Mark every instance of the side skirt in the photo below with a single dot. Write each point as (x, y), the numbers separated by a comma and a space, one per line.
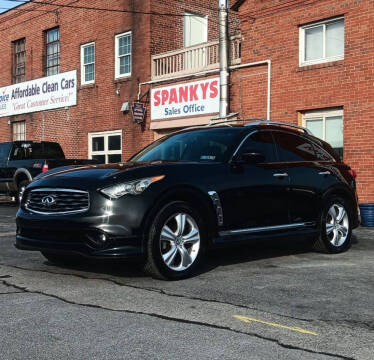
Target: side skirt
(269, 232)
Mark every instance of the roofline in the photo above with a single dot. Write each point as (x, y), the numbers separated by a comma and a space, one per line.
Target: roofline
(14, 8)
(237, 5)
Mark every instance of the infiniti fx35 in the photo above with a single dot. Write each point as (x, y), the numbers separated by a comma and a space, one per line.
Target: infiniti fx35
(191, 191)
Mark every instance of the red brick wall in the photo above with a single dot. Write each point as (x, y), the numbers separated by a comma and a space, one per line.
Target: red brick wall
(274, 34)
(167, 32)
(98, 106)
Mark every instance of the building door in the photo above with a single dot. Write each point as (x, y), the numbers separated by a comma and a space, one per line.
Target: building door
(195, 29)
(195, 32)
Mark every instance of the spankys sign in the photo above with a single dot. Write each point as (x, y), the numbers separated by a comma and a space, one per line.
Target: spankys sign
(46, 93)
(188, 99)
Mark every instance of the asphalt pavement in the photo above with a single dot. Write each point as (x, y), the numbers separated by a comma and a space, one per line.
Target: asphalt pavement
(266, 300)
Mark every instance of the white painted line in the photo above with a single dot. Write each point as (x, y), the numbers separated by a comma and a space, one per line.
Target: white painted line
(13, 233)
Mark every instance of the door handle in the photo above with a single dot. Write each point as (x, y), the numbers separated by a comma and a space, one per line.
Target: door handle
(324, 173)
(280, 175)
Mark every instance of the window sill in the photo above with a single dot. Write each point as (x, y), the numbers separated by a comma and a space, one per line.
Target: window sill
(87, 86)
(122, 79)
(320, 65)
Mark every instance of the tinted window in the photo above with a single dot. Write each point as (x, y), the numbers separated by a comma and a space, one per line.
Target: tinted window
(4, 152)
(26, 151)
(114, 142)
(197, 145)
(294, 148)
(260, 142)
(98, 143)
(322, 154)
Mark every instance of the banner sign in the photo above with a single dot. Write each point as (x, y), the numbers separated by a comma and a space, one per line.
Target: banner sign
(189, 99)
(46, 93)
(138, 112)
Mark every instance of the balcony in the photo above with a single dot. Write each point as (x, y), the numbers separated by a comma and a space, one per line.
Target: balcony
(193, 59)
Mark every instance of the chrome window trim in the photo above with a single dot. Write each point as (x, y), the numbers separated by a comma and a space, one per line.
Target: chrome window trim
(241, 143)
(60, 212)
(264, 228)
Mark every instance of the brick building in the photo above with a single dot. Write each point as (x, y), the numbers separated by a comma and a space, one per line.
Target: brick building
(110, 54)
(322, 75)
(298, 61)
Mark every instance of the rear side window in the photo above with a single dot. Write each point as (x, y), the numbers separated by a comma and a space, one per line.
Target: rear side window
(47, 151)
(260, 142)
(321, 154)
(292, 147)
(26, 151)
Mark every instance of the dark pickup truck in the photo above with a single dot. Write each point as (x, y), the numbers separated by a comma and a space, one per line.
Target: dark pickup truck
(21, 161)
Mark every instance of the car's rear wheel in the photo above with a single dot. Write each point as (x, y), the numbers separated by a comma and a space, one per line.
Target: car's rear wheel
(336, 231)
(176, 242)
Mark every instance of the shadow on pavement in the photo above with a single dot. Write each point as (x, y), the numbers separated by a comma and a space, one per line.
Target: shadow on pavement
(243, 253)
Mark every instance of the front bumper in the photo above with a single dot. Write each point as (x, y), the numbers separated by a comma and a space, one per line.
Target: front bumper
(98, 233)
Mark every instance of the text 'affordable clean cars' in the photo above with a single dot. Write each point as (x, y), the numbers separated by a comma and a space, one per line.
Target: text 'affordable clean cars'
(190, 191)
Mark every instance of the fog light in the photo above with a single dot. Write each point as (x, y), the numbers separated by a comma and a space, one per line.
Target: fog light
(97, 239)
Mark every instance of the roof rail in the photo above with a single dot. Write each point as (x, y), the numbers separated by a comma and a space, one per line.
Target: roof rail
(279, 123)
(223, 122)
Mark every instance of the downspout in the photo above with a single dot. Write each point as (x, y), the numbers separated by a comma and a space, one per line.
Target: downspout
(268, 62)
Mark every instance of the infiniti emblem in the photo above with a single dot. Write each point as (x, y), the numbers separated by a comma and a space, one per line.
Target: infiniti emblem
(48, 200)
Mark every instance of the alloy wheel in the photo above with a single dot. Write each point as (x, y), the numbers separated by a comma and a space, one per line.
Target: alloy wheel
(180, 241)
(337, 225)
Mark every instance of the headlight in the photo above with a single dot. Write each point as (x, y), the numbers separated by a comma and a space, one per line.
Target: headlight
(133, 187)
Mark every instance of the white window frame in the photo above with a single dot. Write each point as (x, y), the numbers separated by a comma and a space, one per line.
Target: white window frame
(105, 152)
(117, 74)
(15, 134)
(324, 59)
(83, 65)
(323, 114)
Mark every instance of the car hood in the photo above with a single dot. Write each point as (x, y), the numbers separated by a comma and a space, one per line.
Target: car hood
(88, 176)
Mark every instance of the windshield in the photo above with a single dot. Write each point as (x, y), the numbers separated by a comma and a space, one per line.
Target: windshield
(208, 145)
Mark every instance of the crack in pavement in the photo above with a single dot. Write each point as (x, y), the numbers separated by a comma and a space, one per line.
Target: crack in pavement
(185, 321)
(160, 291)
(364, 325)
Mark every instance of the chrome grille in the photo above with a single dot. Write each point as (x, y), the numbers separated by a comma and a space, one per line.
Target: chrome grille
(57, 201)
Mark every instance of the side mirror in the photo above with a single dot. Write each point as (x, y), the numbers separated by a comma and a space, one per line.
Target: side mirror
(250, 158)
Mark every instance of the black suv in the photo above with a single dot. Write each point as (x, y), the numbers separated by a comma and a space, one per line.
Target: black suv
(190, 191)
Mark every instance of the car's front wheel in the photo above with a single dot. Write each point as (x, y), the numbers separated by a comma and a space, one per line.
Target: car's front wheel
(336, 231)
(176, 242)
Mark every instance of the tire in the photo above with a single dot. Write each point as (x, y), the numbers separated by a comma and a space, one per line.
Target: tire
(61, 259)
(335, 228)
(175, 251)
(21, 188)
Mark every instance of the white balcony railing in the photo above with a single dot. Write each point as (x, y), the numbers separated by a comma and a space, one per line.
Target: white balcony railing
(193, 59)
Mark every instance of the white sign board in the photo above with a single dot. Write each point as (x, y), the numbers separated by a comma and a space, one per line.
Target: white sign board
(189, 99)
(46, 93)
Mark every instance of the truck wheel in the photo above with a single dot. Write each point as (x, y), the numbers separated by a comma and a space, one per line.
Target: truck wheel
(176, 242)
(21, 189)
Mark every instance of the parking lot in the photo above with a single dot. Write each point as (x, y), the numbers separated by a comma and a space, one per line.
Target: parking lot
(269, 300)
